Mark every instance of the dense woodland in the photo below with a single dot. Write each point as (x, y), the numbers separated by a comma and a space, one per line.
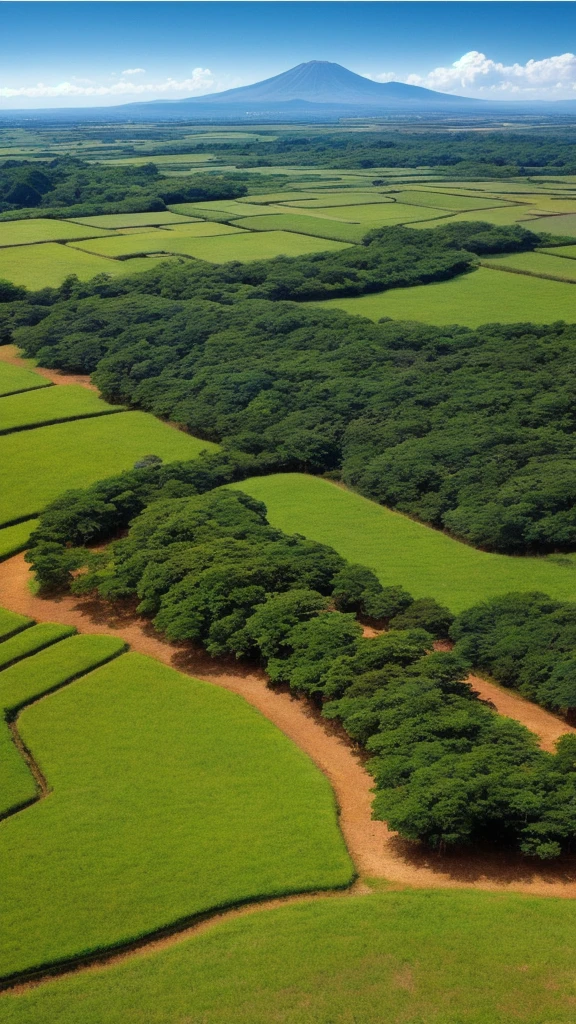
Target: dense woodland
(469, 430)
(208, 568)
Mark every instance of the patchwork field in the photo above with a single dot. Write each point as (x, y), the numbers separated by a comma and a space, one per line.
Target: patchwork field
(170, 797)
(320, 228)
(479, 297)
(445, 201)
(563, 225)
(25, 232)
(131, 220)
(16, 379)
(37, 465)
(378, 215)
(426, 562)
(246, 247)
(343, 199)
(51, 405)
(30, 641)
(535, 263)
(154, 241)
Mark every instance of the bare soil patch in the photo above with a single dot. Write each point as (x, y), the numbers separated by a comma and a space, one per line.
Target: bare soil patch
(10, 354)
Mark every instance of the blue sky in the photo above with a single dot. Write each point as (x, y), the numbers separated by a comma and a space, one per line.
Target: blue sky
(84, 53)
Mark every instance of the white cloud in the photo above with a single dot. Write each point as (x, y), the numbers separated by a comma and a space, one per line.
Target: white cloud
(475, 73)
(134, 71)
(385, 76)
(201, 81)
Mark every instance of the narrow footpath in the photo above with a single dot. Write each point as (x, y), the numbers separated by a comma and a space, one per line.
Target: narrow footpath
(376, 851)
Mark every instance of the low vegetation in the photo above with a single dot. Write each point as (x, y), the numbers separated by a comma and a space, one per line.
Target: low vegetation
(170, 798)
(31, 640)
(51, 405)
(16, 379)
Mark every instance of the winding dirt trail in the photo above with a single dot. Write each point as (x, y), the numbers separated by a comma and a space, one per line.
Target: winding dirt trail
(377, 852)
(10, 354)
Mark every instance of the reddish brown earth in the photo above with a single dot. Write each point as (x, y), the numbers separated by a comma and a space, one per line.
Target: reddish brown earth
(9, 354)
(376, 851)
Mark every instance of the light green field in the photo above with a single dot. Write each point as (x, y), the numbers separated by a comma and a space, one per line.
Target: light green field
(426, 562)
(24, 232)
(154, 241)
(320, 228)
(30, 641)
(479, 297)
(28, 679)
(51, 405)
(410, 957)
(171, 797)
(15, 379)
(11, 623)
(47, 265)
(342, 199)
(567, 251)
(15, 538)
(445, 201)
(37, 465)
(251, 246)
(278, 197)
(130, 220)
(535, 263)
(563, 225)
(505, 215)
(377, 215)
(161, 159)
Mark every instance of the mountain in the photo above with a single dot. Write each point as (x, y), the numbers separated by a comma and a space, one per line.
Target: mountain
(321, 81)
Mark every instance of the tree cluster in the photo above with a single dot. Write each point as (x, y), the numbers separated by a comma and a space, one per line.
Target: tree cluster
(525, 641)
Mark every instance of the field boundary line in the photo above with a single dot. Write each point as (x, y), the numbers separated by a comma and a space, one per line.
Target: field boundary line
(527, 273)
(64, 419)
(24, 391)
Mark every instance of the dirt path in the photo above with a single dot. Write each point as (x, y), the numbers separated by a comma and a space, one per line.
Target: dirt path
(10, 354)
(376, 851)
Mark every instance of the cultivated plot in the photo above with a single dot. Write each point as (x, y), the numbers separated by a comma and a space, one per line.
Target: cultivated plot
(131, 220)
(15, 379)
(37, 465)
(248, 246)
(342, 199)
(48, 265)
(25, 232)
(170, 797)
(535, 263)
(427, 562)
(51, 405)
(15, 538)
(377, 215)
(479, 297)
(319, 227)
(157, 241)
(445, 201)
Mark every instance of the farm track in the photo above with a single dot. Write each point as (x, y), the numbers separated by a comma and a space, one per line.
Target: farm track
(376, 851)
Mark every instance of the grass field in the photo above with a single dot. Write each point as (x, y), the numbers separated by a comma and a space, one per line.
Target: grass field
(567, 251)
(15, 538)
(171, 797)
(23, 232)
(445, 201)
(342, 198)
(15, 379)
(562, 225)
(379, 215)
(504, 215)
(319, 227)
(47, 265)
(37, 465)
(31, 640)
(479, 297)
(246, 247)
(51, 405)
(411, 957)
(11, 623)
(426, 562)
(154, 241)
(131, 220)
(535, 263)
(25, 681)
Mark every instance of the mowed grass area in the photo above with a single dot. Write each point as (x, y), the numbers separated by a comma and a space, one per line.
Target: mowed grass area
(248, 246)
(37, 465)
(47, 265)
(171, 797)
(50, 405)
(130, 220)
(426, 562)
(31, 640)
(567, 251)
(319, 227)
(478, 297)
(562, 225)
(155, 241)
(410, 957)
(15, 538)
(24, 232)
(534, 263)
(24, 682)
(15, 379)
(446, 200)
(11, 623)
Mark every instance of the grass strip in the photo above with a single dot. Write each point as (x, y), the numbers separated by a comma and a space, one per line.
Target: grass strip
(53, 405)
(15, 538)
(170, 798)
(11, 623)
(15, 379)
(32, 640)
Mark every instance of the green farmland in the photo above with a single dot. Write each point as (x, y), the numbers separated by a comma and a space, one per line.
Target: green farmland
(426, 562)
(562, 225)
(479, 297)
(131, 220)
(11, 623)
(246, 247)
(15, 379)
(32, 640)
(15, 538)
(408, 957)
(47, 265)
(170, 797)
(378, 215)
(321, 228)
(154, 241)
(37, 465)
(51, 405)
(25, 232)
(445, 200)
(334, 199)
(536, 263)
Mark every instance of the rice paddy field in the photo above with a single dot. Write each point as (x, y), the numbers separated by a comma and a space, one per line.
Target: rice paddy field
(30, 641)
(320, 228)
(25, 232)
(114, 221)
(51, 405)
(37, 465)
(15, 538)
(478, 297)
(176, 241)
(47, 265)
(16, 379)
(562, 225)
(546, 264)
(410, 957)
(427, 562)
(248, 246)
(170, 797)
